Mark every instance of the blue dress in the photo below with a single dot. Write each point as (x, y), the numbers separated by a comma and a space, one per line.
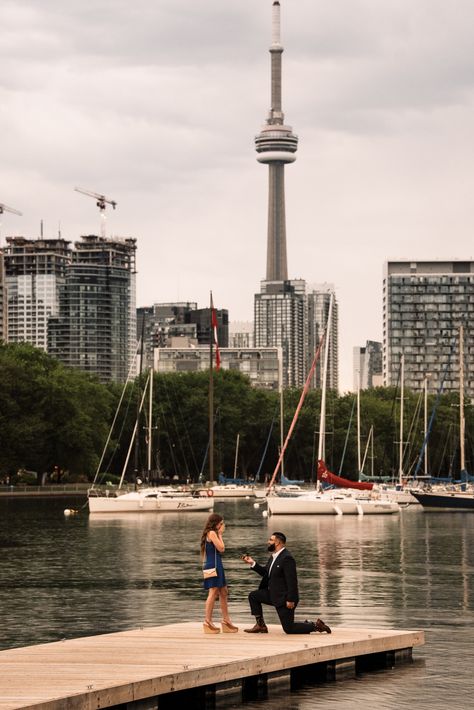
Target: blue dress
(213, 559)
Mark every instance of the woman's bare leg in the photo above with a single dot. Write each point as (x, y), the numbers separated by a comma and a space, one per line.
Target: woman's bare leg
(223, 597)
(210, 602)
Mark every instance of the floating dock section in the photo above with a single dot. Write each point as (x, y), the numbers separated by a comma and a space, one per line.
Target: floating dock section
(178, 665)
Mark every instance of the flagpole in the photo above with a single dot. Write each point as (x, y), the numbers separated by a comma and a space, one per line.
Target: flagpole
(211, 395)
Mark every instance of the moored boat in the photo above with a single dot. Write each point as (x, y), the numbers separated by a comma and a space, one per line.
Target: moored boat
(149, 500)
(446, 500)
(330, 503)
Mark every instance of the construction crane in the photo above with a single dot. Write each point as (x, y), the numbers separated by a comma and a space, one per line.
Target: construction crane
(5, 208)
(102, 202)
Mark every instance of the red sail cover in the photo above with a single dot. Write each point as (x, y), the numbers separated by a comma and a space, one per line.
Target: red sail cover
(327, 477)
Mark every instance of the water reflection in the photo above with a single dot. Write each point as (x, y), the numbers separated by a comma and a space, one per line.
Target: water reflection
(64, 577)
(345, 564)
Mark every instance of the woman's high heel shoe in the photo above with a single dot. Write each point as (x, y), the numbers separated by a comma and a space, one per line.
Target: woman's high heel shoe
(209, 628)
(228, 627)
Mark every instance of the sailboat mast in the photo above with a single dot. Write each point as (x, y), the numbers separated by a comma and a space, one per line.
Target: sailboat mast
(150, 428)
(402, 395)
(282, 423)
(322, 416)
(369, 438)
(425, 453)
(236, 455)
(211, 397)
(137, 439)
(358, 426)
(462, 422)
(372, 452)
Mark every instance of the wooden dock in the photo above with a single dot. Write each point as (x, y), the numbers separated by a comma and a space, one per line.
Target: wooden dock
(166, 666)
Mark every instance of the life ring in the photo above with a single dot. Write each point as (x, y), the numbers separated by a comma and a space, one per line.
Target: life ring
(210, 493)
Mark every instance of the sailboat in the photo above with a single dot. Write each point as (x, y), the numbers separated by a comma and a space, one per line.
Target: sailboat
(329, 502)
(144, 499)
(460, 498)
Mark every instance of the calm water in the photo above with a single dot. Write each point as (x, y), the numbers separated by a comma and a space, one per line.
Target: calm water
(64, 577)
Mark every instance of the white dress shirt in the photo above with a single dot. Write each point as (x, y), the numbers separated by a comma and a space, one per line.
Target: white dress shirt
(274, 555)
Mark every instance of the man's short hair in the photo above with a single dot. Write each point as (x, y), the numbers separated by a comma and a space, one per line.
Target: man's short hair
(281, 536)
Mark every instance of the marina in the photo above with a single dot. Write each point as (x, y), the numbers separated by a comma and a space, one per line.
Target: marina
(82, 576)
(104, 579)
(168, 665)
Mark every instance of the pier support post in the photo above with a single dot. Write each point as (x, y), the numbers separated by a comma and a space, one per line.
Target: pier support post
(341, 669)
(201, 698)
(384, 659)
(315, 673)
(255, 687)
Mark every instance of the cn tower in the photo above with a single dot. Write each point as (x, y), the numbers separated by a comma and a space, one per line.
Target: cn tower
(276, 145)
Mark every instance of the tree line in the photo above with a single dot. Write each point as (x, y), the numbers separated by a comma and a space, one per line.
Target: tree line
(54, 422)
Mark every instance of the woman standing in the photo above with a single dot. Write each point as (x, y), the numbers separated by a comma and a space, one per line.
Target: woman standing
(212, 544)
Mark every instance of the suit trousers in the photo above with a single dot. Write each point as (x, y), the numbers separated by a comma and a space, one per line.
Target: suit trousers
(286, 616)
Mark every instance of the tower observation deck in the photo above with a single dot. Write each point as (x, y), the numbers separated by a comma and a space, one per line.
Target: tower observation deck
(276, 145)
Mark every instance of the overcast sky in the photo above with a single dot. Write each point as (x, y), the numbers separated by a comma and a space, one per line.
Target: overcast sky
(155, 103)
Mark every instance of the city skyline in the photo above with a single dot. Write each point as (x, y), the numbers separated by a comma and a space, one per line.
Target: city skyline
(156, 107)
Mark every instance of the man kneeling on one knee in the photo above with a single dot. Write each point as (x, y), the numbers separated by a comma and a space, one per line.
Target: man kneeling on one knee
(279, 588)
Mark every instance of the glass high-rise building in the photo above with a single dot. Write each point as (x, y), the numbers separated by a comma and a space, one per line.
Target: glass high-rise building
(319, 300)
(95, 330)
(280, 318)
(35, 269)
(424, 305)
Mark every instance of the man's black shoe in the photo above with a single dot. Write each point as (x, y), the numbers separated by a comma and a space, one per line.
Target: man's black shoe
(257, 629)
(320, 626)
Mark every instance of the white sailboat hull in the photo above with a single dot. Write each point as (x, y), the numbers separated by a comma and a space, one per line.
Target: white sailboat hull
(324, 505)
(149, 501)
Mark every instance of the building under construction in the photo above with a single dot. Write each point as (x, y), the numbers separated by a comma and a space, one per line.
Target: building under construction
(77, 303)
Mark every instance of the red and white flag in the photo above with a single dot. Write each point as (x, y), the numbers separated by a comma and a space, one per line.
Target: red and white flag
(214, 334)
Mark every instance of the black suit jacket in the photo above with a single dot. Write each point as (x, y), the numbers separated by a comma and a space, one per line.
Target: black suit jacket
(282, 584)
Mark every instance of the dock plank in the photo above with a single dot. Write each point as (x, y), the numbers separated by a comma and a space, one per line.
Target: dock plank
(106, 670)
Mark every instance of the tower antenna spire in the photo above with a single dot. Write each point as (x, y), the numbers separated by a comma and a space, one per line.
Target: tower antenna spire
(276, 23)
(276, 145)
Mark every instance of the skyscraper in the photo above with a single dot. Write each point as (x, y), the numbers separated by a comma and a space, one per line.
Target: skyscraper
(424, 305)
(34, 271)
(319, 300)
(95, 330)
(280, 308)
(281, 320)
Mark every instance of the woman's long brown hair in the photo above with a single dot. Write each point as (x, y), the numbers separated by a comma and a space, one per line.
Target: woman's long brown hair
(211, 524)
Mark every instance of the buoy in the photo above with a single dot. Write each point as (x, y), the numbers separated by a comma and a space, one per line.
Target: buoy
(70, 511)
(67, 512)
(256, 506)
(264, 514)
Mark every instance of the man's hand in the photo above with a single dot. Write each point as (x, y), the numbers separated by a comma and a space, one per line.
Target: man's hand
(248, 559)
(290, 605)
